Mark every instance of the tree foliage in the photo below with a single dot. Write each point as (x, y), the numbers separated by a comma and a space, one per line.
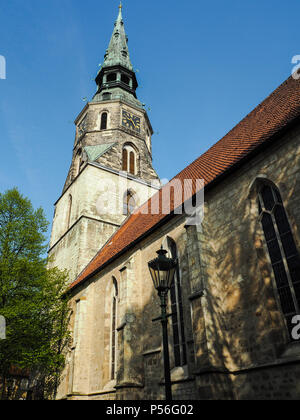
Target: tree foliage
(30, 297)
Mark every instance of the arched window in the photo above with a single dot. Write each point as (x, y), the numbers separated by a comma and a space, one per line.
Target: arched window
(69, 211)
(179, 342)
(114, 329)
(129, 203)
(282, 249)
(129, 160)
(103, 125)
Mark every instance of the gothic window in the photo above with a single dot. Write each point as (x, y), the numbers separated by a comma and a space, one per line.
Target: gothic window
(129, 203)
(112, 77)
(282, 249)
(114, 329)
(129, 160)
(179, 342)
(103, 125)
(69, 211)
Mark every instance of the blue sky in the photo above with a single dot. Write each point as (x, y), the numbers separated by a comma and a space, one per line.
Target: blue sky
(202, 66)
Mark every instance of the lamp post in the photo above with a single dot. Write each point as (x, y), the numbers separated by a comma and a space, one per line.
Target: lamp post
(162, 271)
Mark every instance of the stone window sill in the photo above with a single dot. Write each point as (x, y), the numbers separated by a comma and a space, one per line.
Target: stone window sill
(180, 373)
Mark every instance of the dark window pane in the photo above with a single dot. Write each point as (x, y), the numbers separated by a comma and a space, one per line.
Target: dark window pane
(125, 79)
(297, 292)
(280, 274)
(268, 198)
(104, 121)
(177, 355)
(274, 251)
(278, 196)
(286, 300)
(294, 267)
(173, 294)
(111, 77)
(281, 220)
(176, 336)
(289, 245)
(268, 227)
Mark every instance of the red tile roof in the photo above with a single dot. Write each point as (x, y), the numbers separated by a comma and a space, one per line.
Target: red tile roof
(277, 111)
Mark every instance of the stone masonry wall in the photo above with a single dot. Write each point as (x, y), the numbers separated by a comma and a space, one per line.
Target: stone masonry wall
(237, 341)
(95, 214)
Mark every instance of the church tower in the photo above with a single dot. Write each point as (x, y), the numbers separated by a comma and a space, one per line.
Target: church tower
(111, 171)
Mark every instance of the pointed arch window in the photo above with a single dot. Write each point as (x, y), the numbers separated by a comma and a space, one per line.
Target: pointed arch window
(104, 118)
(129, 160)
(129, 203)
(179, 340)
(114, 329)
(282, 249)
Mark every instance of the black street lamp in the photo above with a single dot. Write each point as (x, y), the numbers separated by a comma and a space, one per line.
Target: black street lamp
(162, 271)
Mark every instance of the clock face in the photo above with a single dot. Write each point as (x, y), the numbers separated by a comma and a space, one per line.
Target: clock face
(131, 121)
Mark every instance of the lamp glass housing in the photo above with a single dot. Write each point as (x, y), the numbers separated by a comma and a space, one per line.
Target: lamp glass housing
(162, 271)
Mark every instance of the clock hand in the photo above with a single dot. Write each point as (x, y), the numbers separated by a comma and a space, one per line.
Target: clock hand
(132, 121)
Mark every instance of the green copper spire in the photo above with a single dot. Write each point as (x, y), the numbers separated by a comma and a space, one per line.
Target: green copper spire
(116, 80)
(117, 53)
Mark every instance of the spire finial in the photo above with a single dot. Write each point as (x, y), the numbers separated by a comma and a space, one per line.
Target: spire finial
(120, 7)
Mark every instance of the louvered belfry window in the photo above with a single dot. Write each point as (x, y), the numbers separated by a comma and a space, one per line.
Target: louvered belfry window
(125, 160)
(129, 160)
(282, 249)
(132, 163)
